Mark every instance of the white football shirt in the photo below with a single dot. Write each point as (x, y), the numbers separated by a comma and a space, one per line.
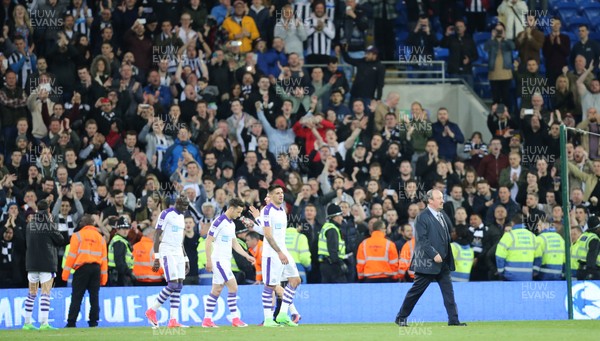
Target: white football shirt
(172, 223)
(276, 219)
(223, 230)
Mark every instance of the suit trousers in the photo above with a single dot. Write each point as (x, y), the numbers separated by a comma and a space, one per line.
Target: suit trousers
(87, 277)
(421, 283)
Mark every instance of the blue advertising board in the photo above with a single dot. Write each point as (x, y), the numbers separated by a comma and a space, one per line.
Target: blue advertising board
(332, 303)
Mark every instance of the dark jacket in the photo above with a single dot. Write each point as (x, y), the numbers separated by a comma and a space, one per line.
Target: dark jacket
(430, 241)
(459, 48)
(368, 82)
(333, 243)
(43, 239)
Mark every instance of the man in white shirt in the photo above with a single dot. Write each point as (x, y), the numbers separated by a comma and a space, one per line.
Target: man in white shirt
(169, 254)
(277, 261)
(219, 242)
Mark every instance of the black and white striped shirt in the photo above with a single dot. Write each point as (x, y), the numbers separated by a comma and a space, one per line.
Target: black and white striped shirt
(303, 11)
(80, 15)
(26, 68)
(319, 42)
(195, 64)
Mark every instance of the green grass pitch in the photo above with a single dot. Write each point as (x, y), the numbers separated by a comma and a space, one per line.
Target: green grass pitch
(522, 330)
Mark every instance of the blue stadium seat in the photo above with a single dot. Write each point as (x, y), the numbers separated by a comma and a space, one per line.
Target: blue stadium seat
(481, 37)
(595, 36)
(565, 5)
(592, 11)
(480, 73)
(483, 55)
(566, 14)
(574, 22)
(441, 53)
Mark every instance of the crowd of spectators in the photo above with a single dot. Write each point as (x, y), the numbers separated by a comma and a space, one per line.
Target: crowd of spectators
(112, 108)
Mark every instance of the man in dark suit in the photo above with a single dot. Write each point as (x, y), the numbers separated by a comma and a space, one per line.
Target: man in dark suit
(432, 260)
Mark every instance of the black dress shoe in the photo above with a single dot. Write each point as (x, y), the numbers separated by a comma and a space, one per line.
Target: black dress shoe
(459, 324)
(401, 322)
(69, 325)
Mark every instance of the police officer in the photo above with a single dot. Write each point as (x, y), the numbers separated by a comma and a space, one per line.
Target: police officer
(515, 253)
(463, 256)
(297, 245)
(549, 261)
(120, 257)
(332, 249)
(584, 252)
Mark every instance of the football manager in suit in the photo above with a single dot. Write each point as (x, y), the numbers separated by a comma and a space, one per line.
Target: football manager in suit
(432, 259)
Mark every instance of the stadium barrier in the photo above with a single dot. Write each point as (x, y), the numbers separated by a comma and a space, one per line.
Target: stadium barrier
(343, 303)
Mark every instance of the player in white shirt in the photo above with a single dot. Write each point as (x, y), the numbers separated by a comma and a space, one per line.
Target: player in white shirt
(170, 255)
(278, 264)
(219, 242)
(258, 228)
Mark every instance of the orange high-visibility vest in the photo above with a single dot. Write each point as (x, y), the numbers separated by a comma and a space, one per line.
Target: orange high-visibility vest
(256, 252)
(143, 260)
(87, 246)
(377, 257)
(406, 255)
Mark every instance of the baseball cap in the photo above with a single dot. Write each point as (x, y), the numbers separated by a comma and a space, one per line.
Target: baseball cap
(372, 49)
(22, 137)
(104, 100)
(226, 165)
(360, 144)
(239, 2)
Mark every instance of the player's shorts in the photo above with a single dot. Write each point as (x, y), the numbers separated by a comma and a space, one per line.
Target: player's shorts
(274, 271)
(40, 277)
(221, 271)
(174, 267)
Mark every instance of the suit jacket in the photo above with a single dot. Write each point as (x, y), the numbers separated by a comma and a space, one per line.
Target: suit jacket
(430, 240)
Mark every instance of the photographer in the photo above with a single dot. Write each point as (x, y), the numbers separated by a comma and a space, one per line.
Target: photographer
(462, 52)
(500, 48)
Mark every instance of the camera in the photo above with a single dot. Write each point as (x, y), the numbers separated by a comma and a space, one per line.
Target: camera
(211, 21)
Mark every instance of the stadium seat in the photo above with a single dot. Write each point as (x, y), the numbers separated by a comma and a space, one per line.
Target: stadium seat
(566, 5)
(592, 11)
(483, 55)
(481, 37)
(441, 53)
(567, 14)
(574, 22)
